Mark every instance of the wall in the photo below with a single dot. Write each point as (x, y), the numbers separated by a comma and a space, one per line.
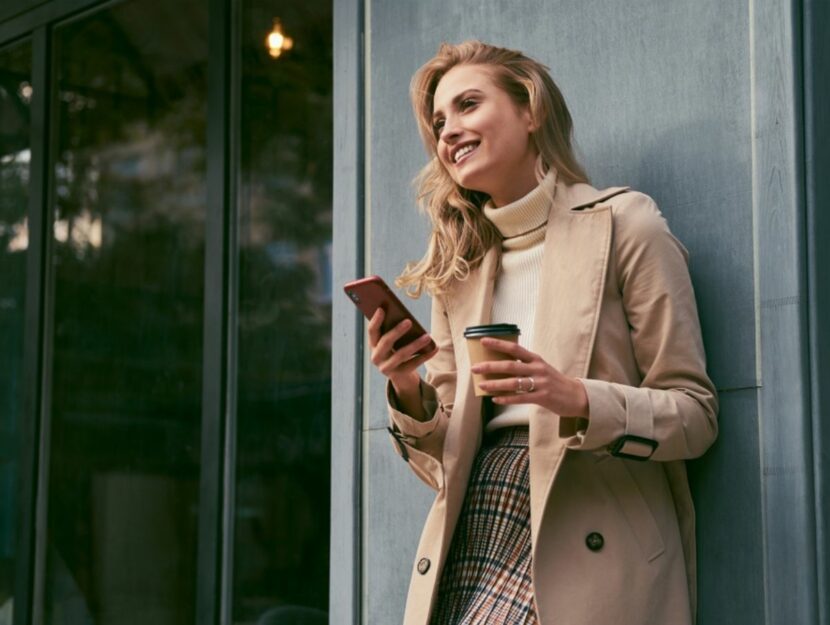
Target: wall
(699, 105)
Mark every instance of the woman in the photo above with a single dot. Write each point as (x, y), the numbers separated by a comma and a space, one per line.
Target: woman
(570, 505)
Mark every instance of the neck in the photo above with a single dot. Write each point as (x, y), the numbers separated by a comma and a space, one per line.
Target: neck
(520, 184)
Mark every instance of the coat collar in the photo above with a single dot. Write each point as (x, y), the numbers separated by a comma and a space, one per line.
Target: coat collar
(579, 196)
(472, 299)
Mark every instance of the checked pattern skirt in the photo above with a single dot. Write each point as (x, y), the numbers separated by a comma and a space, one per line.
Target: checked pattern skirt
(486, 579)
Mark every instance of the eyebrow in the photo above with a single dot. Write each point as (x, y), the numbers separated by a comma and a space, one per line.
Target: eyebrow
(457, 99)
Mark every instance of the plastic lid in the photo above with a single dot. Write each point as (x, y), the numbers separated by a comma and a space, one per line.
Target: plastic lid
(493, 329)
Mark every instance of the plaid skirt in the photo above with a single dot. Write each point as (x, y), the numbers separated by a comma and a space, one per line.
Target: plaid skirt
(486, 578)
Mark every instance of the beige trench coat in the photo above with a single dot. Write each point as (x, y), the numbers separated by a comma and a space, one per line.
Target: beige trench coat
(616, 309)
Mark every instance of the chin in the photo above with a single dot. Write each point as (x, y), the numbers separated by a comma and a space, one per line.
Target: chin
(473, 181)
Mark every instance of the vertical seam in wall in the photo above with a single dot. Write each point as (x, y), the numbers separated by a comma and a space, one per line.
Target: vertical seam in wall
(803, 37)
(366, 38)
(756, 279)
(756, 276)
(804, 276)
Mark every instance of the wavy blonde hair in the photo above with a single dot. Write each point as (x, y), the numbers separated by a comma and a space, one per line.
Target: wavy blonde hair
(461, 234)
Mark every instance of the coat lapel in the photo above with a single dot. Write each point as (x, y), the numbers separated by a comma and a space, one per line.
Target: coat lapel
(471, 304)
(576, 248)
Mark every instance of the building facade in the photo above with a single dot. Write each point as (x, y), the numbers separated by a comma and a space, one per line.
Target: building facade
(718, 111)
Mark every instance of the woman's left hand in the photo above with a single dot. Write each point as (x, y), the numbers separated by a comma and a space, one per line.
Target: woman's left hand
(531, 381)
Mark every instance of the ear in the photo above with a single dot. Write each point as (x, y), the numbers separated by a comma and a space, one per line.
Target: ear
(527, 116)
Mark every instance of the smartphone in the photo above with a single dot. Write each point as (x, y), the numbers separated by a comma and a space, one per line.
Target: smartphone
(372, 293)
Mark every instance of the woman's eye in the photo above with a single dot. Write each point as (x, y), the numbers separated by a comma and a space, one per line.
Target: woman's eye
(464, 105)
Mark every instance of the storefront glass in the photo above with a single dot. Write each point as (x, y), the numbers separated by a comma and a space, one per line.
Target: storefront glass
(117, 458)
(129, 201)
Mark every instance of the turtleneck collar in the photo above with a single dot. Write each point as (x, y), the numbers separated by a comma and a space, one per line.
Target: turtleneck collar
(526, 214)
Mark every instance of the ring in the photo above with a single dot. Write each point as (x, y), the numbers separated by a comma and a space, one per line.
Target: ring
(519, 385)
(532, 385)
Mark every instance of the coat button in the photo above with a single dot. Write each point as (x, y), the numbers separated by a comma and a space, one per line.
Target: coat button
(423, 566)
(594, 541)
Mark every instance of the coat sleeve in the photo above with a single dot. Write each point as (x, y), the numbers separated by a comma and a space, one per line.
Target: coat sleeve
(676, 403)
(421, 443)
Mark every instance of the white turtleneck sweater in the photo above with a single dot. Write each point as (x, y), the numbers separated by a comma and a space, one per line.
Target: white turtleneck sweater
(522, 224)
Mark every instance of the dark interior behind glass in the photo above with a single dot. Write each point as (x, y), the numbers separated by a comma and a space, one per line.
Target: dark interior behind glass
(128, 260)
(284, 387)
(15, 156)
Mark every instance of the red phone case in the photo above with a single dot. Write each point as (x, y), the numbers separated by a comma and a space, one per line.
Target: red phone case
(372, 293)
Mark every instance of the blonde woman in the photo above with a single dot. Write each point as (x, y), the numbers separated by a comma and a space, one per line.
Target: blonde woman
(567, 502)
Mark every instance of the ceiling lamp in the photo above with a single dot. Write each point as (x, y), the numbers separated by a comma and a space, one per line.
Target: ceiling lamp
(276, 41)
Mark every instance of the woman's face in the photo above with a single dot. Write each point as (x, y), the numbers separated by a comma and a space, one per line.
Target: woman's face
(483, 137)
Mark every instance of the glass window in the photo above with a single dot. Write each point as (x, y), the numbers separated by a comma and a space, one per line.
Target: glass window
(15, 95)
(129, 205)
(284, 387)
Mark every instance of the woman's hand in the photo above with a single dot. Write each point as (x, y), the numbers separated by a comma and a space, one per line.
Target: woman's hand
(531, 381)
(399, 365)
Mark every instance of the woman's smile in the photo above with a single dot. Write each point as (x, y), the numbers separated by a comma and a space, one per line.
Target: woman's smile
(463, 153)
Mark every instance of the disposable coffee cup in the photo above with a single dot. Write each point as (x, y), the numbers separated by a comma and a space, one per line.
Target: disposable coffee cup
(479, 353)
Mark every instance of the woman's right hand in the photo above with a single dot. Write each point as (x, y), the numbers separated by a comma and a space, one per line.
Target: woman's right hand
(399, 365)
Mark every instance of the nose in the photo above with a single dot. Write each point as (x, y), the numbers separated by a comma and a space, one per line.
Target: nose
(450, 131)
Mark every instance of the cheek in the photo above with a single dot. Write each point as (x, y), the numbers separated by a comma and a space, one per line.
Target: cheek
(515, 140)
(445, 156)
(444, 159)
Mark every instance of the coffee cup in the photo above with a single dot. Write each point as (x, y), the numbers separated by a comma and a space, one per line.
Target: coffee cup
(479, 353)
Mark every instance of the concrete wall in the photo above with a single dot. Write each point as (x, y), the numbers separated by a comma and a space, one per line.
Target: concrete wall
(698, 105)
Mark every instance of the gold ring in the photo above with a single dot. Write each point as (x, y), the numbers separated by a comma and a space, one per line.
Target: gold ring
(532, 385)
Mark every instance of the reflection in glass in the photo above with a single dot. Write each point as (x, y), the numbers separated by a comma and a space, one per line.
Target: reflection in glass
(284, 387)
(129, 189)
(15, 95)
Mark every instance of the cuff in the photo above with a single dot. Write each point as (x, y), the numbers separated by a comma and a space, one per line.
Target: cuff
(606, 421)
(407, 425)
(621, 419)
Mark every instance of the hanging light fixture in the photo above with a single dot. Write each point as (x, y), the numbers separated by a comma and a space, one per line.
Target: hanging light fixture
(277, 41)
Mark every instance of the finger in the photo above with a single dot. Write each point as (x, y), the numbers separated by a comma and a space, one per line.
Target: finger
(518, 398)
(410, 349)
(507, 385)
(417, 362)
(375, 324)
(390, 337)
(508, 347)
(505, 367)
(399, 363)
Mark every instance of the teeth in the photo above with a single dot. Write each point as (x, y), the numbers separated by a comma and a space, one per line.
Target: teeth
(465, 150)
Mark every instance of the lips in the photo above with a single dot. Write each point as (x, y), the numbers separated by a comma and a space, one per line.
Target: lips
(463, 151)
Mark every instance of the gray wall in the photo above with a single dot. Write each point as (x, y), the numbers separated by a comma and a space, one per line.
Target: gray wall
(698, 104)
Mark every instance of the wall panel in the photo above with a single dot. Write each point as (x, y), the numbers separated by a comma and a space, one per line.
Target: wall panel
(663, 100)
